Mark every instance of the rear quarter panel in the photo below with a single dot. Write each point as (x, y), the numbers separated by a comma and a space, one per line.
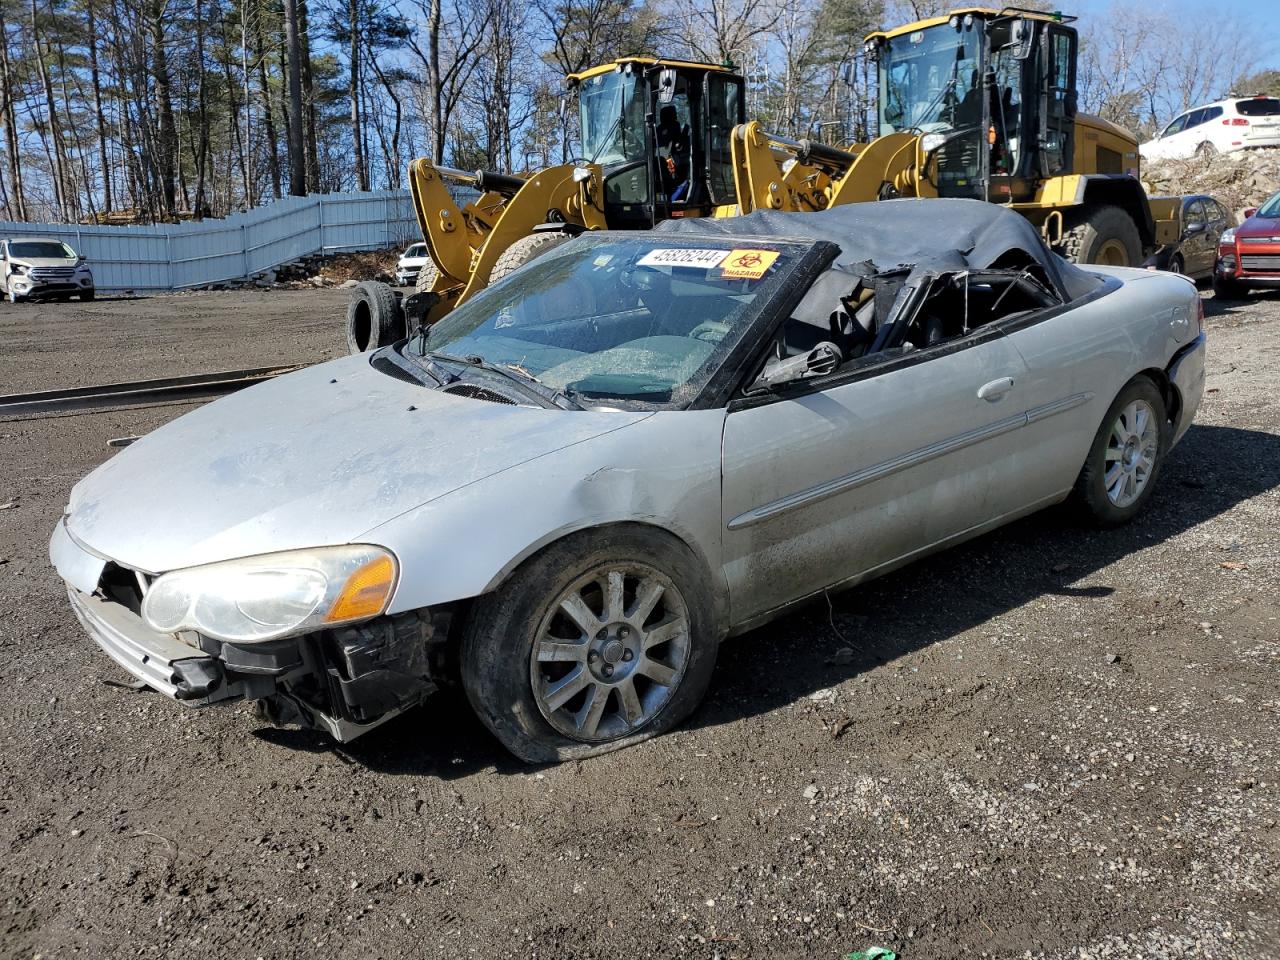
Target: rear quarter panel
(1139, 322)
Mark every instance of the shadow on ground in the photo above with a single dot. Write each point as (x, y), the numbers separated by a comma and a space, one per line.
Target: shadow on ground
(1212, 470)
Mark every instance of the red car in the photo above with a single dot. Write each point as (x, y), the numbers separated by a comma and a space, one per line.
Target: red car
(1249, 255)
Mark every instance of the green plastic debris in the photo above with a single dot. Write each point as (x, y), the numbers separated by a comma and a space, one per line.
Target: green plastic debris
(872, 953)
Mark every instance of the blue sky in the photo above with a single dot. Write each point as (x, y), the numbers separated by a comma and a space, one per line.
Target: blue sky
(1261, 16)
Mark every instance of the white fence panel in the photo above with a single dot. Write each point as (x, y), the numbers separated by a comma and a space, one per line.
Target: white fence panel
(185, 255)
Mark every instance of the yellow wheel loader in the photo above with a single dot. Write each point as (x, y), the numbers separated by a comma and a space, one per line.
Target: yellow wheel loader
(655, 143)
(977, 103)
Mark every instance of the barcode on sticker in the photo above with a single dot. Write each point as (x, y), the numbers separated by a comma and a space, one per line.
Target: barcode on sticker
(676, 257)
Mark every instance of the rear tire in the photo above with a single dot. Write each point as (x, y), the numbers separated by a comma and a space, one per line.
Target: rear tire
(1206, 150)
(523, 250)
(374, 318)
(1125, 457)
(621, 682)
(1103, 235)
(86, 296)
(1228, 288)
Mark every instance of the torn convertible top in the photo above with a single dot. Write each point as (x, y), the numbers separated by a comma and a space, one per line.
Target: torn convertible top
(930, 235)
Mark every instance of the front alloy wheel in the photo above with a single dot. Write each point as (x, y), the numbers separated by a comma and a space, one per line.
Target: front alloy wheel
(1131, 453)
(602, 639)
(610, 652)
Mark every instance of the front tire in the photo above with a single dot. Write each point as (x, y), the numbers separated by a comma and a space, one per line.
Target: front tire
(603, 639)
(1125, 457)
(86, 296)
(1228, 288)
(524, 250)
(1101, 234)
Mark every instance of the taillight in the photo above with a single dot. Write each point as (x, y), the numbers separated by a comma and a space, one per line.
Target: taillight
(1239, 122)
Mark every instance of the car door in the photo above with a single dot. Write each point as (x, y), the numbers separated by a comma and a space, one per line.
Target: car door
(848, 475)
(1195, 250)
(1167, 144)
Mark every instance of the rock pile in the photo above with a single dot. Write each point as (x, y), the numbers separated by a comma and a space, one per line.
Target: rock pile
(1246, 178)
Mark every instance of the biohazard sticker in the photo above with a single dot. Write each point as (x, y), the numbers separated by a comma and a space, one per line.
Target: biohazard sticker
(747, 264)
(678, 257)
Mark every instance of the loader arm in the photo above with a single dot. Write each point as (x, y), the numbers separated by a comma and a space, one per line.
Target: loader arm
(572, 194)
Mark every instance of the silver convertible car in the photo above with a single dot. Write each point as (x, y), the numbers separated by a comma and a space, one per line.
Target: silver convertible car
(566, 493)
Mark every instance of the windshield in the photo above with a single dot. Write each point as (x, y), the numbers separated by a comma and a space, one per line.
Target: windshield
(619, 319)
(417, 250)
(611, 108)
(41, 250)
(1271, 208)
(929, 76)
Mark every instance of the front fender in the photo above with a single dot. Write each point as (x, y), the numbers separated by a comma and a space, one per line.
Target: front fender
(663, 471)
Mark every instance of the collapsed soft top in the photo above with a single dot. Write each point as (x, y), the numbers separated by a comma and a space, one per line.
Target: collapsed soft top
(942, 235)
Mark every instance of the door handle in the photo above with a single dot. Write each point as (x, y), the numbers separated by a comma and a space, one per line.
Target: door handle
(995, 390)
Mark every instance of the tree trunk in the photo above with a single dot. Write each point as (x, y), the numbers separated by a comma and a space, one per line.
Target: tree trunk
(353, 89)
(433, 78)
(268, 120)
(309, 103)
(96, 79)
(202, 116)
(167, 137)
(18, 204)
(297, 156)
(51, 111)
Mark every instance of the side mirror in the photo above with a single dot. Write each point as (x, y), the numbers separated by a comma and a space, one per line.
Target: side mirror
(1194, 228)
(1249, 212)
(666, 85)
(818, 362)
(1022, 38)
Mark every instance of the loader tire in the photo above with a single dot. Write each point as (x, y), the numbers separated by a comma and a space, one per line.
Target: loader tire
(374, 318)
(524, 250)
(1104, 235)
(426, 277)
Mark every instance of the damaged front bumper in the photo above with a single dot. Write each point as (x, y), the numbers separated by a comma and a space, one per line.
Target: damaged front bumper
(344, 681)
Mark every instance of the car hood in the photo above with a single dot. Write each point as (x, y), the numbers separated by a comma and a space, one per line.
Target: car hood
(45, 261)
(316, 457)
(1257, 226)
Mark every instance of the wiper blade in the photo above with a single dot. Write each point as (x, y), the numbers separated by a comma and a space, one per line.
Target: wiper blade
(519, 376)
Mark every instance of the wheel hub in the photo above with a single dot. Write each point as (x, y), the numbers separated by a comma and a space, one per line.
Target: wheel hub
(613, 651)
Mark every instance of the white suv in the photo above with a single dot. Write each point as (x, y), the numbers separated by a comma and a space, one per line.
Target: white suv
(1218, 128)
(411, 263)
(37, 267)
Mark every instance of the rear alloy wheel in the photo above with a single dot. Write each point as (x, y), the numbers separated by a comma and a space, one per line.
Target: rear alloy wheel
(1126, 455)
(603, 639)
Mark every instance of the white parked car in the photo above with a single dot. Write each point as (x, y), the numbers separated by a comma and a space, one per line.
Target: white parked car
(1218, 128)
(411, 263)
(42, 267)
(565, 493)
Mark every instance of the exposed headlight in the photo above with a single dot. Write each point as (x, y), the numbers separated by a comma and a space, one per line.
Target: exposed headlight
(20, 269)
(1228, 235)
(932, 141)
(275, 595)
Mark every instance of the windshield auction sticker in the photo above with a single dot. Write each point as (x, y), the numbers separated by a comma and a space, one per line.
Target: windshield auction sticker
(677, 257)
(747, 264)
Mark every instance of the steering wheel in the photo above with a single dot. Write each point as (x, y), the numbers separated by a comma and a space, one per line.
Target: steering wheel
(710, 331)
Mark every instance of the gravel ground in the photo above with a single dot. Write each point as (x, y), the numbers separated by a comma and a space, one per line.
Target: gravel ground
(1050, 742)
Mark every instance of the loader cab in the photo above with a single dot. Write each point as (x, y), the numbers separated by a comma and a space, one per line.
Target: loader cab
(661, 132)
(992, 95)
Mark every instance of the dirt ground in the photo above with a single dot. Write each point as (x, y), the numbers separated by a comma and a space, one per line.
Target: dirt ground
(1050, 742)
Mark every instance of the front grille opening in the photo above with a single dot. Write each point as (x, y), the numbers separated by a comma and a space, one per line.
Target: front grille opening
(479, 393)
(121, 585)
